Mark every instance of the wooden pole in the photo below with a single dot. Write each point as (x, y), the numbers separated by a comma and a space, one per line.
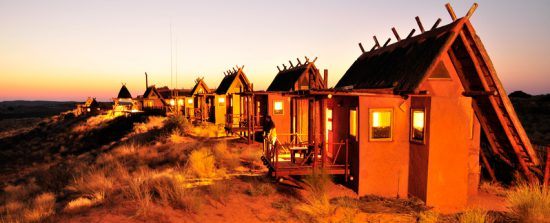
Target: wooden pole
(325, 77)
(361, 47)
(436, 24)
(396, 34)
(451, 11)
(323, 127)
(387, 41)
(420, 26)
(376, 43)
(411, 34)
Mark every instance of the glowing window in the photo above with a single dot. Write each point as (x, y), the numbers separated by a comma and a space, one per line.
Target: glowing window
(278, 108)
(221, 101)
(418, 119)
(353, 123)
(189, 101)
(381, 124)
(172, 102)
(180, 102)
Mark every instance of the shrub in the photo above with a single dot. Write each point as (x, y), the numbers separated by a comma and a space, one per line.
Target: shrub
(474, 215)
(259, 189)
(530, 202)
(201, 163)
(153, 122)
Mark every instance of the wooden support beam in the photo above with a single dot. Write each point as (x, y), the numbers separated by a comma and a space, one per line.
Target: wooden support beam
(479, 93)
(278, 68)
(436, 24)
(325, 77)
(291, 65)
(314, 60)
(361, 47)
(284, 66)
(451, 11)
(411, 34)
(420, 26)
(386, 43)
(299, 62)
(396, 34)
(307, 59)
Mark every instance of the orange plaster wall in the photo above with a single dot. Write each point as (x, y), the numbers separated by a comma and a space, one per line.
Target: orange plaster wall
(282, 122)
(384, 165)
(450, 142)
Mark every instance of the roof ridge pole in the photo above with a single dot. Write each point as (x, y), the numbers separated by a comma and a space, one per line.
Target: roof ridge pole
(451, 11)
(291, 65)
(314, 60)
(299, 62)
(278, 68)
(396, 34)
(420, 26)
(361, 47)
(436, 24)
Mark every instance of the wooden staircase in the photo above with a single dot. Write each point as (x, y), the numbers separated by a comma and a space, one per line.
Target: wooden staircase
(492, 106)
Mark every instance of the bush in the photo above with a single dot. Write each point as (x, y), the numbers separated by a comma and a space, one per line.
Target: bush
(43, 206)
(475, 215)
(530, 202)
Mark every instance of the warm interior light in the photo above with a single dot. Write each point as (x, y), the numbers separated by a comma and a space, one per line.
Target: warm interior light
(172, 102)
(381, 119)
(221, 100)
(418, 119)
(278, 105)
(190, 101)
(180, 102)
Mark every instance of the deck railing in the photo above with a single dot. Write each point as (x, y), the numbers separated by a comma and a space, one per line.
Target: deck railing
(310, 161)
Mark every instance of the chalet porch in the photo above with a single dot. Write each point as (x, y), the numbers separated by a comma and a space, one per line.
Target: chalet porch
(293, 156)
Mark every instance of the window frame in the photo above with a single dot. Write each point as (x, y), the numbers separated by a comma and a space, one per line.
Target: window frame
(411, 129)
(371, 111)
(282, 107)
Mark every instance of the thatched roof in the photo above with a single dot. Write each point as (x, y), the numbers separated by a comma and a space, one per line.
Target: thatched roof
(401, 66)
(286, 79)
(124, 92)
(230, 78)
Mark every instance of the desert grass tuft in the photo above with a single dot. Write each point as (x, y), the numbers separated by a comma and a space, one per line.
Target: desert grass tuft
(317, 206)
(429, 216)
(530, 202)
(201, 163)
(474, 215)
(225, 157)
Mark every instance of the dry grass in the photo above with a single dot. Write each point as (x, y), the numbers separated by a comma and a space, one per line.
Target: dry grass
(317, 206)
(429, 216)
(201, 163)
(83, 203)
(93, 183)
(492, 188)
(153, 122)
(530, 202)
(37, 209)
(225, 157)
(219, 191)
(259, 187)
(206, 130)
(474, 215)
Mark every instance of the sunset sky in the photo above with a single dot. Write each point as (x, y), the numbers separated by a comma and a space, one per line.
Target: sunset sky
(68, 50)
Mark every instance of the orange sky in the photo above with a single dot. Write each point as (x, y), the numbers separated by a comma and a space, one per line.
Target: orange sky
(68, 50)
